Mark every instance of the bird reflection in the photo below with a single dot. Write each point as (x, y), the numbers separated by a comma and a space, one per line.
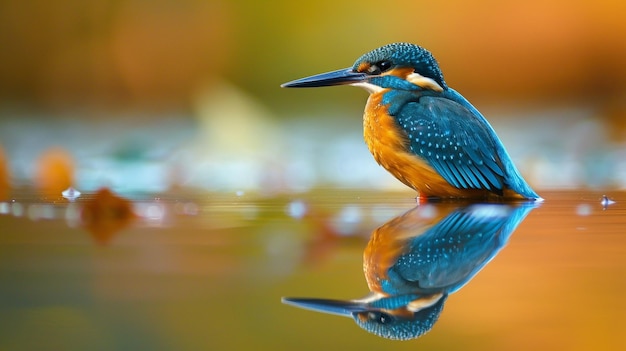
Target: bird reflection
(414, 261)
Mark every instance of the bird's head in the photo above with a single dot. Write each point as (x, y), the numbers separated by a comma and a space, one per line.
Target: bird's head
(397, 317)
(400, 66)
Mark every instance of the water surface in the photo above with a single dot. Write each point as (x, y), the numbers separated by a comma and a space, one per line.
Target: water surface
(187, 271)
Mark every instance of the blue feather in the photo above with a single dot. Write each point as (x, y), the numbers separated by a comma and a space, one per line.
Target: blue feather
(451, 137)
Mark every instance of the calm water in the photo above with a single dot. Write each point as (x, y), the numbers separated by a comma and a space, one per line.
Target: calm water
(187, 272)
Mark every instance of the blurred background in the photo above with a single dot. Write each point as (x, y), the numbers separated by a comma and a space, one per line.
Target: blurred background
(144, 96)
(169, 118)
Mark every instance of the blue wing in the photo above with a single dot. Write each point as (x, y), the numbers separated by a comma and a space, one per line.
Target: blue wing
(456, 142)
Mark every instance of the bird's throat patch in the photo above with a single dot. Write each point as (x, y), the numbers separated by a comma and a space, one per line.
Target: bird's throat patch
(423, 82)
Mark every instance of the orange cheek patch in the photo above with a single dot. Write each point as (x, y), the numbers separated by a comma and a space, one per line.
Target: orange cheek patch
(363, 67)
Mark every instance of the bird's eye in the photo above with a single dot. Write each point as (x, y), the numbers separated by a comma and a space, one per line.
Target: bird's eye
(379, 67)
(380, 317)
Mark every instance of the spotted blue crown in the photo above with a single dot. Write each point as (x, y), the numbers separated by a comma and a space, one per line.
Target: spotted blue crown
(405, 55)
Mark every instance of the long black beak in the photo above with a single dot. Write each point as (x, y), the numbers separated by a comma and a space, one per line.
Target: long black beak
(339, 77)
(338, 307)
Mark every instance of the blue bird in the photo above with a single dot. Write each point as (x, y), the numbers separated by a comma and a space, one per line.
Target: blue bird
(413, 262)
(422, 131)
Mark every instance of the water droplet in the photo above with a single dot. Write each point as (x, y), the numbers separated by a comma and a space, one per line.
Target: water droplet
(71, 194)
(606, 202)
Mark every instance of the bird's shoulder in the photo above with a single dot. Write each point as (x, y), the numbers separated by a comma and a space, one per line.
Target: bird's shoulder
(451, 135)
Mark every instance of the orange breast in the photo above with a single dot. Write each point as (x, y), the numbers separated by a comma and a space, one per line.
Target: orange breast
(389, 146)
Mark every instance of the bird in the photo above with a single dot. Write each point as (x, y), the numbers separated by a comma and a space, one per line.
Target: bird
(422, 131)
(413, 262)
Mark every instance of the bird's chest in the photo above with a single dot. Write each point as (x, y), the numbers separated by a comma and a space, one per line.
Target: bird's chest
(381, 253)
(389, 145)
(381, 132)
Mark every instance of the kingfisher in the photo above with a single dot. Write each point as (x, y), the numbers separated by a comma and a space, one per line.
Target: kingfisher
(415, 261)
(422, 131)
